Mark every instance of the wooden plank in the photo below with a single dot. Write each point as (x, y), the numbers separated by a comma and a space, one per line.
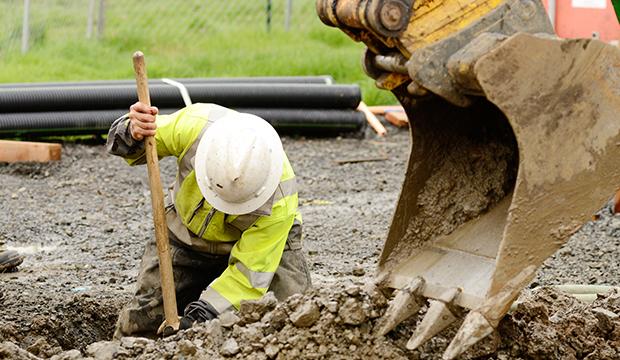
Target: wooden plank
(381, 110)
(397, 118)
(24, 151)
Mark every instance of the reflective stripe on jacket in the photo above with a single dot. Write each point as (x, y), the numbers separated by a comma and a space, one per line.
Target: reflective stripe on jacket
(259, 237)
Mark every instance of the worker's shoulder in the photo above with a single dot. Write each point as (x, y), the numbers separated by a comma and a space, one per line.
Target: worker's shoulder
(206, 110)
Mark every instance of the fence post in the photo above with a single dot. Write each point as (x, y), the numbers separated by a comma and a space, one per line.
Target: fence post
(91, 19)
(101, 19)
(268, 15)
(26, 27)
(287, 15)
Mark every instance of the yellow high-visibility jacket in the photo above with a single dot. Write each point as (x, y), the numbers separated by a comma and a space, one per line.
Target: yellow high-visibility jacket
(257, 239)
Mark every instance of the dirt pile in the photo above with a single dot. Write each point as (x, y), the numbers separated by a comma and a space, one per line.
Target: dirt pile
(552, 325)
(338, 323)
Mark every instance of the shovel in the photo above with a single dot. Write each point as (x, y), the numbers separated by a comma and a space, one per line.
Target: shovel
(171, 323)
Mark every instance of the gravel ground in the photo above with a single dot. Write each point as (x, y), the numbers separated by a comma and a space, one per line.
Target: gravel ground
(82, 223)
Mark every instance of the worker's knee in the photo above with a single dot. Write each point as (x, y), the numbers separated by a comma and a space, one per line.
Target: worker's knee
(292, 276)
(138, 319)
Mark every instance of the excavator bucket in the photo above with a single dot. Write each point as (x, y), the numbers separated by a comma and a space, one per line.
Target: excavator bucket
(515, 141)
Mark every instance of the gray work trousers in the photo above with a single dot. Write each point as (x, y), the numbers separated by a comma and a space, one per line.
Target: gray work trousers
(193, 272)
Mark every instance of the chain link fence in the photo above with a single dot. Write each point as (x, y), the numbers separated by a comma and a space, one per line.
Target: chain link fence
(26, 24)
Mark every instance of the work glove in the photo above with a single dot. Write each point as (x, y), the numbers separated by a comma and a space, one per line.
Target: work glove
(196, 311)
(200, 311)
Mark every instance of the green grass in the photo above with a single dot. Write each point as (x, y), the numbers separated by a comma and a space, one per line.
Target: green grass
(60, 52)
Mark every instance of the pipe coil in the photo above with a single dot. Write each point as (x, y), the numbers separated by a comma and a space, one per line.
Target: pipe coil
(285, 121)
(78, 98)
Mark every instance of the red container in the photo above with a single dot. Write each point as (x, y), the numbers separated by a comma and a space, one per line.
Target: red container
(584, 19)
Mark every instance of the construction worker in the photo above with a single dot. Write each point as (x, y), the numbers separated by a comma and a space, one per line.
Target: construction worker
(9, 259)
(234, 227)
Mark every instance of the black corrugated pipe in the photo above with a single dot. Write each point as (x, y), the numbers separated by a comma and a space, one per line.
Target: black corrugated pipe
(166, 96)
(323, 79)
(285, 121)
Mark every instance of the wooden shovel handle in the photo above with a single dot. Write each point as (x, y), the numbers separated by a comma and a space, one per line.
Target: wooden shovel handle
(157, 201)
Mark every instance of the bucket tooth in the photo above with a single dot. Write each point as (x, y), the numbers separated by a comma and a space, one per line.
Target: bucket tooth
(440, 314)
(437, 318)
(406, 302)
(481, 322)
(475, 327)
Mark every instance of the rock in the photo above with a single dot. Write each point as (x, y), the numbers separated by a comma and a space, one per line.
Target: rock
(305, 315)
(10, 351)
(103, 350)
(261, 306)
(271, 350)
(353, 290)
(275, 318)
(213, 331)
(186, 347)
(332, 306)
(352, 312)
(229, 347)
(605, 318)
(40, 347)
(377, 298)
(134, 342)
(294, 300)
(358, 271)
(601, 312)
(68, 355)
(251, 333)
(228, 319)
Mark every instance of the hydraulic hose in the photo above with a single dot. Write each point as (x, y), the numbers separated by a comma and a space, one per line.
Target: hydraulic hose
(77, 98)
(324, 79)
(285, 121)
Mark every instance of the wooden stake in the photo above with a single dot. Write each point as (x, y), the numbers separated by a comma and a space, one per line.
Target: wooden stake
(157, 201)
(397, 118)
(372, 119)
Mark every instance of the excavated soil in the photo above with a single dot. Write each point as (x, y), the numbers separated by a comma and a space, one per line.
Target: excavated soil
(83, 221)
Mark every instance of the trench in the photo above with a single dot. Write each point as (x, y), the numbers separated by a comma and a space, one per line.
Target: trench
(74, 324)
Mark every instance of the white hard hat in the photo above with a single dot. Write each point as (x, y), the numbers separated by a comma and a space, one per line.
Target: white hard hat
(239, 163)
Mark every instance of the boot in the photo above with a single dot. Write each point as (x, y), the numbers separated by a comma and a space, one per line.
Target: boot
(9, 260)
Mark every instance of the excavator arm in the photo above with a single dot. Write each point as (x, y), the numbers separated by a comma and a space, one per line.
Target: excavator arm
(514, 145)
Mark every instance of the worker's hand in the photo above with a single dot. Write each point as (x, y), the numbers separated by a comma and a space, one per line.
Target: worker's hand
(142, 121)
